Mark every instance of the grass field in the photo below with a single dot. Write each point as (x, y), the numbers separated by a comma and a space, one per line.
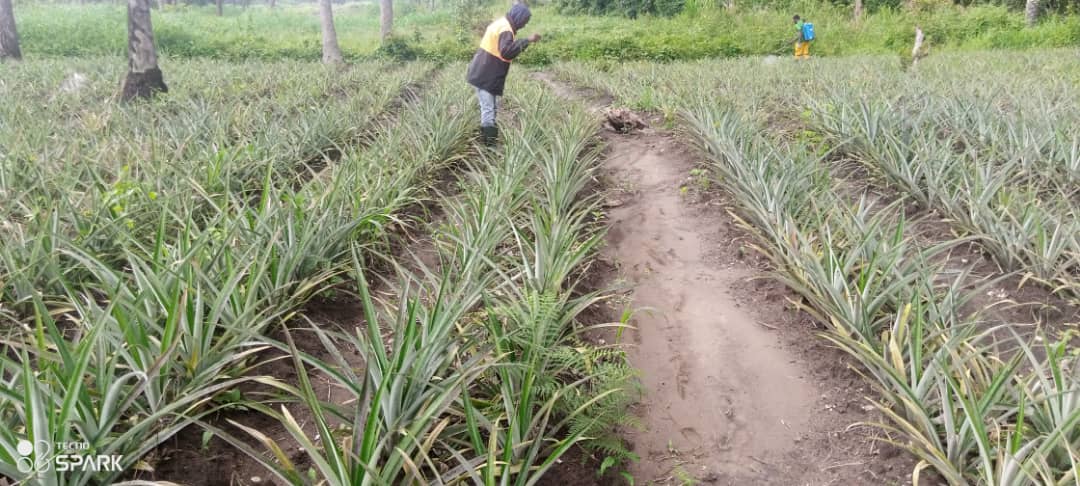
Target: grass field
(166, 268)
(292, 32)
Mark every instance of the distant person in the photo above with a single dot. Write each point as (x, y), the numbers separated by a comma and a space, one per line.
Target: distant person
(804, 35)
(487, 71)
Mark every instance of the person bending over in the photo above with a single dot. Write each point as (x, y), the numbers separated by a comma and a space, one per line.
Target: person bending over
(488, 69)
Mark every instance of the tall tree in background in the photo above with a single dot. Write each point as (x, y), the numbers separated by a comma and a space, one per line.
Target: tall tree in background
(331, 53)
(919, 50)
(386, 18)
(9, 36)
(143, 79)
(1031, 11)
(220, 8)
(858, 10)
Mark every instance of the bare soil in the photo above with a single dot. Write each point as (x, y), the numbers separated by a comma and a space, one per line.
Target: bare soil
(186, 460)
(738, 389)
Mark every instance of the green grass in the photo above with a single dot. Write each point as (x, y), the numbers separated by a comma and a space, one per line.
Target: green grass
(292, 32)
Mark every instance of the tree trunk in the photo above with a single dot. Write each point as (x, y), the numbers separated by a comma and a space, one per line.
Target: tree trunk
(273, 3)
(143, 79)
(917, 52)
(331, 53)
(858, 10)
(386, 20)
(1031, 11)
(220, 8)
(9, 36)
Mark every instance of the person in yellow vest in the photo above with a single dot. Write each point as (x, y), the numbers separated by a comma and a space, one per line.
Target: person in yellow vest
(488, 69)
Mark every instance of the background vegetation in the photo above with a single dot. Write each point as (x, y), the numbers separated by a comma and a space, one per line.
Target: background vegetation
(662, 32)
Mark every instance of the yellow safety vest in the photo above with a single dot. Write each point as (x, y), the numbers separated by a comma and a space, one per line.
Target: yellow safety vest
(490, 42)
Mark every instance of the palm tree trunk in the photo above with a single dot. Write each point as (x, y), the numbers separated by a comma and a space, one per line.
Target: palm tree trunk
(220, 8)
(917, 52)
(331, 53)
(143, 79)
(1031, 11)
(858, 10)
(9, 35)
(386, 18)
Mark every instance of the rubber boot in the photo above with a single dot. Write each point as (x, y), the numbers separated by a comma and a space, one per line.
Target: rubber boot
(483, 136)
(489, 136)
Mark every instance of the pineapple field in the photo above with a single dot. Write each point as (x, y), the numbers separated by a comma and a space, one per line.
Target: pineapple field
(840, 271)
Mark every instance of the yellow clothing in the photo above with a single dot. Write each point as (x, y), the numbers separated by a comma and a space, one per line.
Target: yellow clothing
(490, 42)
(802, 50)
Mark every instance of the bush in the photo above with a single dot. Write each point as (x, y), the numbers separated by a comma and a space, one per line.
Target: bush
(628, 8)
(470, 18)
(397, 48)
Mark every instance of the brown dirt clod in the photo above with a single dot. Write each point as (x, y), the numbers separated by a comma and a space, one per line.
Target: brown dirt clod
(623, 120)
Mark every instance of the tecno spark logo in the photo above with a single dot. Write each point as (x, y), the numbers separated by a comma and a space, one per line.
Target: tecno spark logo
(31, 458)
(42, 456)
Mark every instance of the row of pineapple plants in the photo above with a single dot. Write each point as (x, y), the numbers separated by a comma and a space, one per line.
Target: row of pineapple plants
(977, 402)
(99, 172)
(124, 347)
(131, 323)
(486, 379)
(1012, 183)
(994, 150)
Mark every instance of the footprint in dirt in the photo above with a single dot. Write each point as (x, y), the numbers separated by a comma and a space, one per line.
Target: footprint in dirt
(690, 434)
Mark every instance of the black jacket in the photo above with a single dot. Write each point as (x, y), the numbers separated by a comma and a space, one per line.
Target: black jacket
(488, 72)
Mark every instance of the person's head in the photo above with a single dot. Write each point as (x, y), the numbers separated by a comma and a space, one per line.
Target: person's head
(518, 16)
(796, 19)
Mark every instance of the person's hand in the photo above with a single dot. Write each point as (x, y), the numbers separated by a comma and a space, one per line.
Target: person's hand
(534, 38)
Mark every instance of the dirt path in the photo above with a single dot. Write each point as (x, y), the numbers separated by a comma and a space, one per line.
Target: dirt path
(733, 395)
(725, 400)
